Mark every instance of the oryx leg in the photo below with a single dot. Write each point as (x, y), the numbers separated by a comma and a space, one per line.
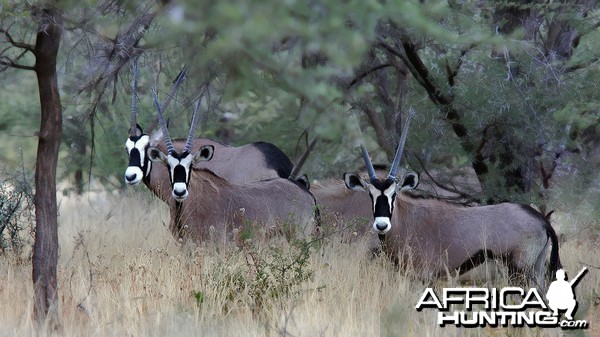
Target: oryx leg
(528, 259)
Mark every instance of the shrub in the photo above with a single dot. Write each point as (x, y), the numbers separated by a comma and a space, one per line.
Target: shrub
(17, 216)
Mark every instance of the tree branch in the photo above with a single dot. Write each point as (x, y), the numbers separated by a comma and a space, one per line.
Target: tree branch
(380, 132)
(465, 196)
(16, 44)
(366, 73)
(413, 62)
(7, 62)
(124, 48)
(452, 73)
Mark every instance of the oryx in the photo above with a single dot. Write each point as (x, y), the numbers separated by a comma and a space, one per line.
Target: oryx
(261, 160)
(202, 200)
(431, 236)
(340, 206)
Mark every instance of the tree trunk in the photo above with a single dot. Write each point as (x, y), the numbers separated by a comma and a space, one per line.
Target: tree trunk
(45, 250)
(80, 143)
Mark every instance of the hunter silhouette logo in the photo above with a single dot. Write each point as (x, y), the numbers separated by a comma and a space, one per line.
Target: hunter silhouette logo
(560, 294)
(508, 306)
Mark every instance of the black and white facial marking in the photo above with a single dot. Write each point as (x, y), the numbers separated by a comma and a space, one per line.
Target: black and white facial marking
(139, 165)
(180, 167)
(383, 196)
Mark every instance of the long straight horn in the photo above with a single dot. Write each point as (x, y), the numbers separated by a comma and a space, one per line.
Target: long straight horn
(176, 83)
(133, 126)
(401, 143)
(368, 164)
(163, 125)
(188, 142)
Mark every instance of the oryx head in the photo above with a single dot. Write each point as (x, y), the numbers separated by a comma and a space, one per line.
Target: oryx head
(138, 142)
(139, 165)
(179, 164)
(383, 192)
(383, 195)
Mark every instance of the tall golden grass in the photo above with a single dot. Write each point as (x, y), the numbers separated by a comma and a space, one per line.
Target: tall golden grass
(121, 273)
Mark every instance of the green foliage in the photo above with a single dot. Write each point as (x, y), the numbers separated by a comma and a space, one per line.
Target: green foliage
(258, 276)
(280, 68)
(280, 273)
(199, 297)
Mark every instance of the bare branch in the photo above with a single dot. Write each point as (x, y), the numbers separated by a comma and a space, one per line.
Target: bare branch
(8, 62)
(461, 194)
(383, 138)
(366, 73)
(16, 44)
(452, 73)
(410, 57)
(123, 48)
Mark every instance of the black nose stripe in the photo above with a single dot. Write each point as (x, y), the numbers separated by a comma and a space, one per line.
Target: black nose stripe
(382, 207)
(134, 158)
(179, 174)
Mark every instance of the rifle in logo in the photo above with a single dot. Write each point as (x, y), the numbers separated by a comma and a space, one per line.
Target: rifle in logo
(560, 294)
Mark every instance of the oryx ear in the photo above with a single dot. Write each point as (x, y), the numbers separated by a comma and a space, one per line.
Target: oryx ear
(303, 180)
(156, 137)
(156, 155)
(353, 182)
(409, 182)
(205, 153)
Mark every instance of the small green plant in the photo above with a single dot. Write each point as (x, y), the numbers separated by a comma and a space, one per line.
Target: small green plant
(279, 271)
(258, 271)
(199, 297)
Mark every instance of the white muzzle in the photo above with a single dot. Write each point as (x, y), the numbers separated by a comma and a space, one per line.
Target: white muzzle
(133, 175)
(180, 191)
(382, 225)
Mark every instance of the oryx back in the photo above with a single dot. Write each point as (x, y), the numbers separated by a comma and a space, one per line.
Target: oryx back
(210, 203)
(432, 236)
(215, 208)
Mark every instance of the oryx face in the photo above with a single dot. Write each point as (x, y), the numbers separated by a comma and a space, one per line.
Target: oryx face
(180, 167)
(383, 196)
(139, 165)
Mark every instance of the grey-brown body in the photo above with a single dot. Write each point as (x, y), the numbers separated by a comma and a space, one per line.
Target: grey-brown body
(215, 207)
(431, 236)
(340, 206)
(246, 163)
(235, 179)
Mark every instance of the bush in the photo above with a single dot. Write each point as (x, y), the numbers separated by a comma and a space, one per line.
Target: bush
(17, 217)
(258, 274)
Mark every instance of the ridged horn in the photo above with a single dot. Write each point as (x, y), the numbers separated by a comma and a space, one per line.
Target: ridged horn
(401, 143)
(163, 125)
(133, 126)
(368, 163)
(188, 142)
(176, 83)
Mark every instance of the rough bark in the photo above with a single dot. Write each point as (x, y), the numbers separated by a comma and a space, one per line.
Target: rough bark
(45, 250)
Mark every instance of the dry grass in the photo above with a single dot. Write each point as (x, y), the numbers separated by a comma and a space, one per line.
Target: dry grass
(122, 274)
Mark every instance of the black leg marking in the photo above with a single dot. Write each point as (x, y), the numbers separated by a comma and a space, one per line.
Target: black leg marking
(475, 260)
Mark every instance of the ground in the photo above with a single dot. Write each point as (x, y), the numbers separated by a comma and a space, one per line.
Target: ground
(122, 274)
